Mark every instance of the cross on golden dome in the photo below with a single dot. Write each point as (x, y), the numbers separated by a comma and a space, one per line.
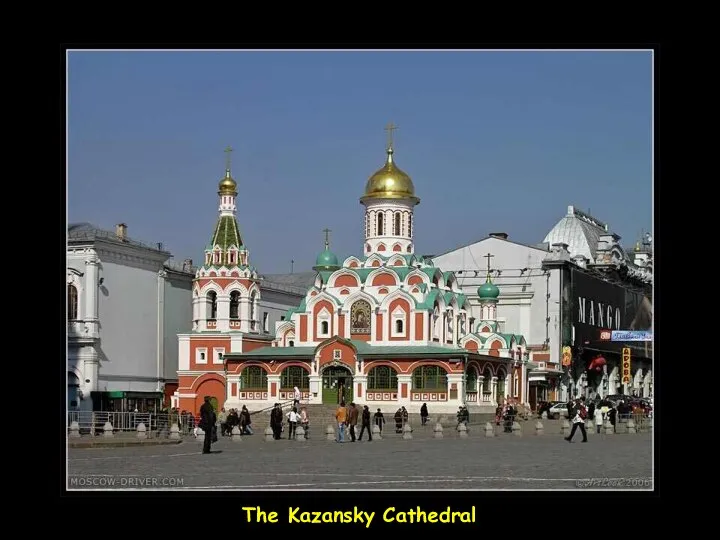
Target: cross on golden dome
(390, 128)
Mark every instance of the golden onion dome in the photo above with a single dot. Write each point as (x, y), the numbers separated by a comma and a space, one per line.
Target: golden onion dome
(389, 182)
(227, 185)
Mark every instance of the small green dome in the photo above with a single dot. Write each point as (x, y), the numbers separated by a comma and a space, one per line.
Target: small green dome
(489, 291)
(326, 259)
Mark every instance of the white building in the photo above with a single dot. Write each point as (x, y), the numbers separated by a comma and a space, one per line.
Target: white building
(529, 301)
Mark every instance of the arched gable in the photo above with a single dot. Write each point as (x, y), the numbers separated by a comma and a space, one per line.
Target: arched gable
(352, 262)
(395, 259)
(471, 342)
(325, 353)
(398, 293)
(416, 277)
(451, 281)
(359, 295)
(370, 260)
(210, 286)
(344, 278)
(495, 341)
(205, 377)
(237, 286)
(382, 276)
(255, 289)
(381, 247)
(284, 327)
(312, 301)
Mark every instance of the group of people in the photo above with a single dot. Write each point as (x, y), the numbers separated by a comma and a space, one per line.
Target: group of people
(347, 419)
(294, 419)
(228, 420)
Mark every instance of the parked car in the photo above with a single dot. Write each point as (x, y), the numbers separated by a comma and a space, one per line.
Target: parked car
(558, 410)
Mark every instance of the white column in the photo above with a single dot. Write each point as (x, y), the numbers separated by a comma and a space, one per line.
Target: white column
(359, 380)
(91, 297)
(493, 389)
(458, 380)
(315, 381)
(160, 329)
(404, 379)
(273, 379)
(223, 313)
(244, 313)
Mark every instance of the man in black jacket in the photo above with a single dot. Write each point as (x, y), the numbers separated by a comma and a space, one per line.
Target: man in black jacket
(207, 423)
(365, 423)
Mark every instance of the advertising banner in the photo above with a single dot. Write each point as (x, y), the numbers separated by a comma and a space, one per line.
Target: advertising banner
(626, 371)
(566, 356)
(606, 315)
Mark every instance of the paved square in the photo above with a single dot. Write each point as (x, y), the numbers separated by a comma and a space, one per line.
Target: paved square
(502, 462)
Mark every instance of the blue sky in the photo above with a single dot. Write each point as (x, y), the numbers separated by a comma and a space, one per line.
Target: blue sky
(494, 142)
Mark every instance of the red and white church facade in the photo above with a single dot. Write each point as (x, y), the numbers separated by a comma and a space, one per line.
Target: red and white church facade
(386, 329)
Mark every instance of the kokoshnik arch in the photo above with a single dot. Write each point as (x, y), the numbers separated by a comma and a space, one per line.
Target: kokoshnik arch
(386, 328)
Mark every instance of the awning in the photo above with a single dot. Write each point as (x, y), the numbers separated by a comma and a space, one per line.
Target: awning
(119, 394)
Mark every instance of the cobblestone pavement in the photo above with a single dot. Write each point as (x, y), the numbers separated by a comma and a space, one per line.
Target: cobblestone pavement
(502, 462)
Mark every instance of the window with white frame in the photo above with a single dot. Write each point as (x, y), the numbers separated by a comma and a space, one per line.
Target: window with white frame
(323, 324)
(337, 354)
(516, 387)
(218, 353)
(201, 355)
(266, 321)
(397, 322)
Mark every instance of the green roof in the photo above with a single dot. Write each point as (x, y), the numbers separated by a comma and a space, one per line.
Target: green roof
(363, 349)
(226, 233)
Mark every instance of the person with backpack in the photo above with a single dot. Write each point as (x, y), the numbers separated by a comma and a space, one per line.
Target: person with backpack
(579, 420)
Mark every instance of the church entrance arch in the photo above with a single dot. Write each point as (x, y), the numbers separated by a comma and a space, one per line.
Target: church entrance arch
(337, 385)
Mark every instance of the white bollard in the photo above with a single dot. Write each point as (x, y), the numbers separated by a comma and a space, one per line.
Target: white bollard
(200, 434)
(269, 434)
(609, 428)
(141, 431)
(376, 432)
(74, 429)
(407, 432)
(544, 415)
(438, 431)
(489, 430)
(516, 429)
(631, 426)
(462, 430)
(330, 433)
(236, 434)
(300, 433)
(108, 430)
(175, 432)
(590, 426)
(539, 429)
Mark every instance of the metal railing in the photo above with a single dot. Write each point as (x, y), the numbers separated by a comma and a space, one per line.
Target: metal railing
(92, 424)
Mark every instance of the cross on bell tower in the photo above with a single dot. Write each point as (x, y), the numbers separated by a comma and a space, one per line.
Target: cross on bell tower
(327, 238)
(488, 257)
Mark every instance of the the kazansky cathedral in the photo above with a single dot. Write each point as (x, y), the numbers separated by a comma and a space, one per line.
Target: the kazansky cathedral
(386, 328)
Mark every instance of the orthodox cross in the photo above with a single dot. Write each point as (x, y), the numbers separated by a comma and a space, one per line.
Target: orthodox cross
(488, 257)
(228, 151)
(390, 128)
(327, 237)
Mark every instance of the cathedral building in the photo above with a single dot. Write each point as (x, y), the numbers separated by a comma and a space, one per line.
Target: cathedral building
(226, 308)
(386, 328)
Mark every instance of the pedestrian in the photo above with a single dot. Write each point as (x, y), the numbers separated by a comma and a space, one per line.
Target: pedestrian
(598, 418)
(341, 416)
(207, 423)
(365, 424)
(353, 414)
(423, 414)
(293, 419)
(379, 420)
(579, 420)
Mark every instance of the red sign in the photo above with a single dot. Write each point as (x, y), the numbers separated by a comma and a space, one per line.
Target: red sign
(605, 335)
